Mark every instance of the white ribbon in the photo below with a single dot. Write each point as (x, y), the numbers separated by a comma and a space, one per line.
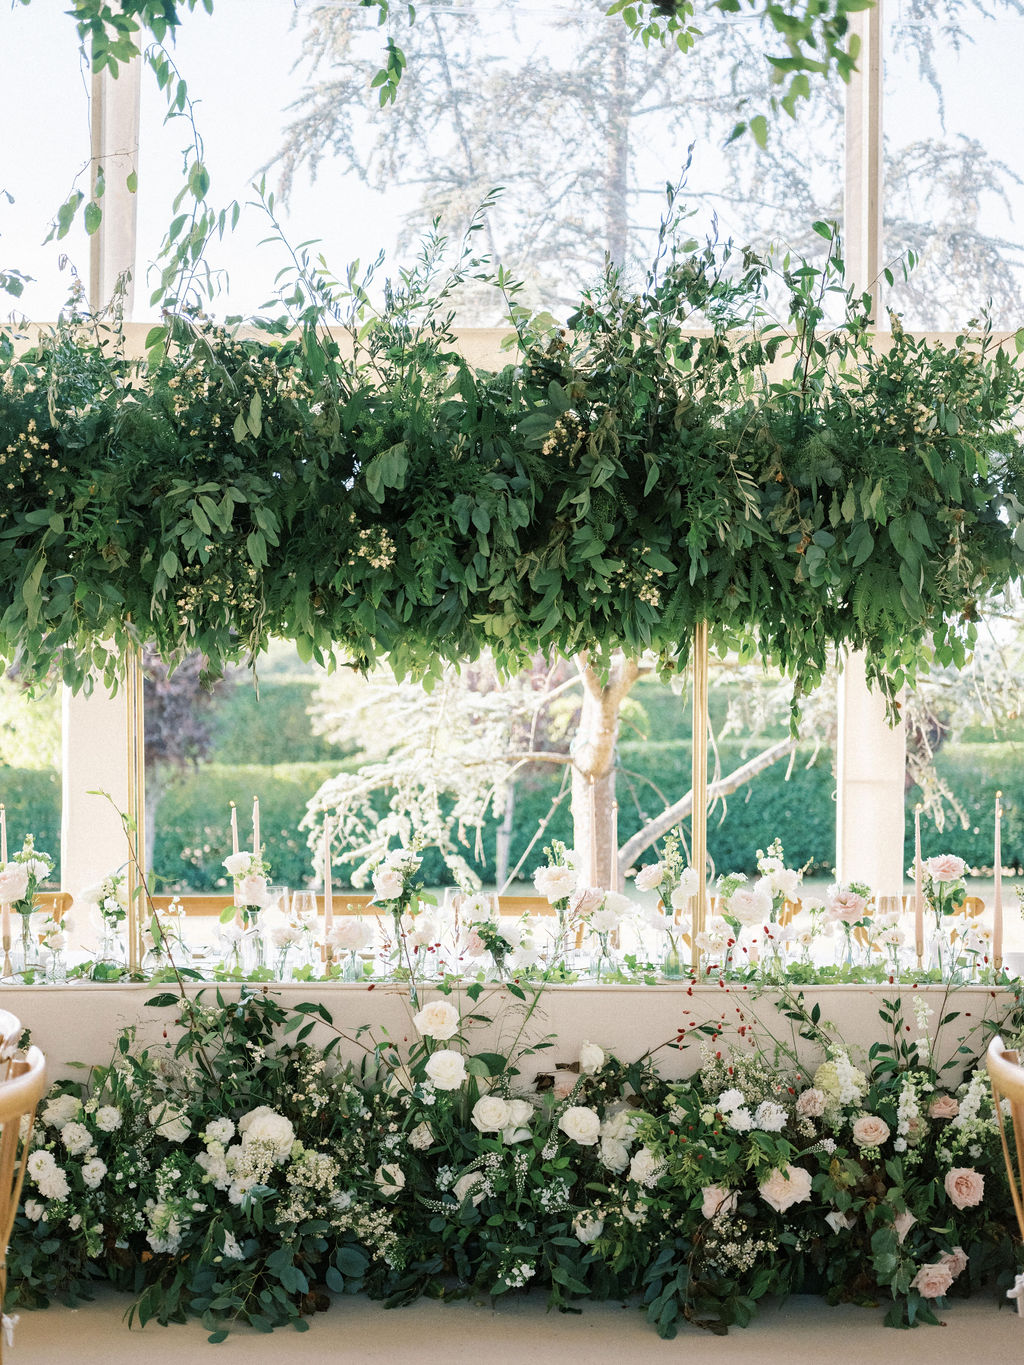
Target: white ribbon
(8, 1322)
(1017, 1292)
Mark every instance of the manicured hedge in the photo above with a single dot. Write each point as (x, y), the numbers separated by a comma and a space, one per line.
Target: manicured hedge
(32, 799)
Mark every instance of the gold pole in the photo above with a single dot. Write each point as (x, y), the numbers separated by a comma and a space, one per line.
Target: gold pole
(699, 787)
(136, 805)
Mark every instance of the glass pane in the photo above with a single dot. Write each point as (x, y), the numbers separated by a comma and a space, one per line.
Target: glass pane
(579, 126)
(46, 155)
(30, 772)
(954, 162)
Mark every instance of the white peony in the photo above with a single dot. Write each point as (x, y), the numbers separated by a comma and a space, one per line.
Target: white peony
(13, 883)
(61, 1110)
(390, 1180)
(581, 1124)
(490, 1114)
(446, 1069)
(591, 1058)
(93, 1172)
(439, 1019)
(751, 904)
(554, 883)
(267, 1125)
(349, 933)
(649, 877)
(170, 1123)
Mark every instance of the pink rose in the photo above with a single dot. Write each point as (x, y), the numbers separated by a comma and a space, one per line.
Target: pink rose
(944, 1107)
(473, 945)
(649, 877)
(965, 1187)
(718, 1202)
(751, 904)
(810, 1103)
(902, 1224)
(845, 907)
(955, 1260)
(932, 1281)
(783, 1188)
(945, 868)
(585, 899)
(870, 1131)
(388, 884)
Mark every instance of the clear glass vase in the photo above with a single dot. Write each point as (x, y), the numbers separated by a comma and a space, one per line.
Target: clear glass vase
(25, 955)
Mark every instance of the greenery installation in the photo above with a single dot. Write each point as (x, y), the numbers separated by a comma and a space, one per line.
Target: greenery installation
(619, 483)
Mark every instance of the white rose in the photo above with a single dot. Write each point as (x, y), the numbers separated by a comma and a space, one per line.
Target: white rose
(587, 1228)
(439, 1019)
(266, 1125)
(390, 1180)
(388, 884)
(622, 905)
(645, 1168)
(446, 1069)
(61, 1110)
(591, 1058)
(490, 1114)
(236, 864)
(520, 1114)
(614, 1154)
(421, 1137)
(719, 1202)
(554, 883)
(649, 877)
(170, 1123)
(13, 883)
(252, 890)
(466, 1184)
(783, 1188)
(34, 1210)
(581, 1124)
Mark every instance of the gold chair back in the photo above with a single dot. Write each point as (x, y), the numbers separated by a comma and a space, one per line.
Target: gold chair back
(1007, 1077)
(20, 1092)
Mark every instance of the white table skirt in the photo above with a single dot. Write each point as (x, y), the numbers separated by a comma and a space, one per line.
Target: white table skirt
(80, 1022)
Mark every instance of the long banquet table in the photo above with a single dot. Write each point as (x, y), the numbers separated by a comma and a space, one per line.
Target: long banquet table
(80, 1022)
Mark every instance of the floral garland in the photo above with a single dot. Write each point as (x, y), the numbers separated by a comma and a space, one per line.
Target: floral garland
(239, 1171)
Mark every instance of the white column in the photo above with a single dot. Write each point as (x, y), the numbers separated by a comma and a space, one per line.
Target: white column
(871, 757)
(96, 727)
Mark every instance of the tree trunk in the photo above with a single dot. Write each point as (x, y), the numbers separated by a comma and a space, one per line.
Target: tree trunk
(503, 838)
(594, 810)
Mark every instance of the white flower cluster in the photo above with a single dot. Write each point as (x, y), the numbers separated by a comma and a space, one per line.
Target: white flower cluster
(908, 1115)
(617, 1134)
(768, 1117)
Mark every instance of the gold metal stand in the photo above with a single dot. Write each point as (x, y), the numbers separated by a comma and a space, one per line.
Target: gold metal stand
(699, 787)
(136, 811)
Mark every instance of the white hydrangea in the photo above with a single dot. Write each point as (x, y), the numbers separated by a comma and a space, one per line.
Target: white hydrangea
(770, 1117)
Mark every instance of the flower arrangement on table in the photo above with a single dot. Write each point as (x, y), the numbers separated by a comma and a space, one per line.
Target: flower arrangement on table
(232, 1171)
(20, 879)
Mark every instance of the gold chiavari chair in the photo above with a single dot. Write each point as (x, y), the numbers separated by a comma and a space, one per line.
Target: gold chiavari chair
(1007, 1077)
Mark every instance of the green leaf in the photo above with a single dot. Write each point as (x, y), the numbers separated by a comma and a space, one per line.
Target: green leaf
(93, 217)
(759, 128)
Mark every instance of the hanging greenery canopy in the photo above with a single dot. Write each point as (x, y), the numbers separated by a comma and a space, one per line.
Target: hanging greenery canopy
(373, 494)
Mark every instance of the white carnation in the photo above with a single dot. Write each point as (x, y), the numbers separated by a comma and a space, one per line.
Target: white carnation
(220, 1130)
(93, 1172)
(77, 1138)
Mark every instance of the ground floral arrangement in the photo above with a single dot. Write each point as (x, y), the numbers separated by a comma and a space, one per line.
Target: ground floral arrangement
(240, 1172)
